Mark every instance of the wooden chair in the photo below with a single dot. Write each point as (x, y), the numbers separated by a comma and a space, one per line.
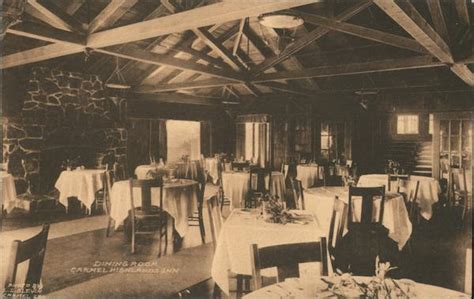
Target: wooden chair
(411, 202)
(34, 250)
(258, 187)
(298, 193)
(107, 183)
(368, 195)
(459, 191)
(224, 201)
(394, 181)
(286, 258)
(139, 216)
(215, 218)
(119, 172)
(336, 227)
(197, 218)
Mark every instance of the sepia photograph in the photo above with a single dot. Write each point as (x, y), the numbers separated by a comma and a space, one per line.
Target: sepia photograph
(242, 149)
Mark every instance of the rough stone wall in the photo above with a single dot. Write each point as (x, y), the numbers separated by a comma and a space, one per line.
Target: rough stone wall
(65, 115)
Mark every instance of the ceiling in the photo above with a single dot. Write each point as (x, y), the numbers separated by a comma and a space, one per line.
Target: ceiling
(213, 51)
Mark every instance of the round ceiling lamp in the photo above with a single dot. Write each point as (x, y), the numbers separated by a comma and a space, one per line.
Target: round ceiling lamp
(280, 20)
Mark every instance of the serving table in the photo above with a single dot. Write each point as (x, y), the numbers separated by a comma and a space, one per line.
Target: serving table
(9, 200)
(245, 227)
(179, 200)
(311, 287)
(320, 201)
(143, 171)
(427, 192)
(80, 183)
(236, 185)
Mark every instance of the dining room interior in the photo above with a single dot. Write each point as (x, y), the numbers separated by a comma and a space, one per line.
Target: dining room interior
(237, 148)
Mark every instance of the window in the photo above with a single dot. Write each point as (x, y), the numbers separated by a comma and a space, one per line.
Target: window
(183, 138)
(332, 141)
(430, 128)
(407, 124)
(257, 145)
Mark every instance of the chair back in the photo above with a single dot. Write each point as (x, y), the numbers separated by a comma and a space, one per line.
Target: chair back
(259, 185)
(368, 194)
(394, 180)
(120, 173)
(145, 188)
(336, 226)
(215, 217)
(286, 258)
(458, 178)
(298, 194)
(107, 185)
(201, 178)
(34, 250)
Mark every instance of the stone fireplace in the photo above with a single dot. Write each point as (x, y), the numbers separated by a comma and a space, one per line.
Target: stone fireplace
(65, 116)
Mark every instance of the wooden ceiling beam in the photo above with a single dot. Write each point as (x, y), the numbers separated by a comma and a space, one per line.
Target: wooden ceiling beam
(239, 36)
(54, 15)
(46, 33)
(309, 38)
(208, 15)
(40, 54)
(462, 7)
(285, 88)
(74, 6)
(176, 99)
(437, 16)
(137, 54)
(365, 33)
(353, 69)
(110, 14)
(405, 14)
(183, 86)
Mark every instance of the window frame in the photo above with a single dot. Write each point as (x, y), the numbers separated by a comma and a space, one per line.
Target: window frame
(407, 125)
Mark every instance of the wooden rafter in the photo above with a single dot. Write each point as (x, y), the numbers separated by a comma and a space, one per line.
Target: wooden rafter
(406, 15)
(208, 15)
(74, 6)
(110, 14)
(137, 54)
(54, 15)
(177, 99)
(365, 33)
(463, 11)
(309, 38)
(46, 33)
(182, 86)
(239, 36)
(437, 16)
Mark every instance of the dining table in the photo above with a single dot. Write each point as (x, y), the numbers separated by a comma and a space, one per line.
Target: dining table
(188, 169)
(314, 287)
(9, 199)
(144, 172)
(308, 174)
(428, 190)
(180, 197)
(236, 185)
(320, 201)
(80, 183)
(211, 165)
(245, 227)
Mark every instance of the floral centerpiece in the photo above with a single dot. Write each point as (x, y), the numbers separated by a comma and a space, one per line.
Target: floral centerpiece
(378, 287)
(274, 209)
(393, 167)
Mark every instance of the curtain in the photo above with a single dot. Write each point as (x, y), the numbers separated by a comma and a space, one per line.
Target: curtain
(263, 144)
(239, 140)
(162, 140)
(206, 138)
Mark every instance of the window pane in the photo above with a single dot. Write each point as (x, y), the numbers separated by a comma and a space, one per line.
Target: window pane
(324, 142)
(431, 124)
(183, 139)
(407, 124)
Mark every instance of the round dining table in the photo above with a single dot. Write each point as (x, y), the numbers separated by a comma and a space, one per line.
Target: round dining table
(80, 183)
(180, 199)
(428, 189)
(236, 186)
(143, 171)
(8, 191)
(308, 174)
(310, 287)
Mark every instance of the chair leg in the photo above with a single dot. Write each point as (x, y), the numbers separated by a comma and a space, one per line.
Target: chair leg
(109, 224)
(216, 293)
(239, 286)
(201, 226)
(133, 239)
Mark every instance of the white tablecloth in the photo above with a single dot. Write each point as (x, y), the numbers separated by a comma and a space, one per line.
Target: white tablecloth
(9, 199)
(241, 230)
(188, 170)
(179, 200)
(308, 174)
(236, 186)
(142, 171)
(308, 288)
(82, 184)
(395, 218)
(211, 167)
(427, 192)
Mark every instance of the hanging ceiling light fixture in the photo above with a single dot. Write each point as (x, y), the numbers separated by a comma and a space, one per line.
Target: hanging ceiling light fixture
(116, 79)
(286, 22)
